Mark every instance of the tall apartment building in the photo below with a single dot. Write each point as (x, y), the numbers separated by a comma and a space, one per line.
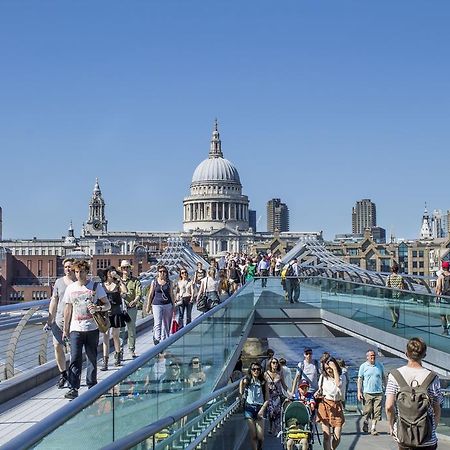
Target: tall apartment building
(252, 219)
(364, 215)
(277, 216)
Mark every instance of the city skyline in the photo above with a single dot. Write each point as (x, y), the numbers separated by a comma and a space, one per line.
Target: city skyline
(320, 105)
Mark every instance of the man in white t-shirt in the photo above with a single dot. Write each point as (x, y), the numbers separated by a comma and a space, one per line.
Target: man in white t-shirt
(82, 298)
(307, 369)
(414, 374)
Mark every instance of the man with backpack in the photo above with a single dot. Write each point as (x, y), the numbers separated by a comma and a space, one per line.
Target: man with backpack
(443, 288)
(307, 369)
(413, 401)
(292, 282)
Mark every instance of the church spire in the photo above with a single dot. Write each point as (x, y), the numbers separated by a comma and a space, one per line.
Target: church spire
(97, 192)
(425, 230)
(215, 150)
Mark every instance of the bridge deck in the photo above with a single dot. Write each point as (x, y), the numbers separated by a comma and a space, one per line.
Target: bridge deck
(27, 409)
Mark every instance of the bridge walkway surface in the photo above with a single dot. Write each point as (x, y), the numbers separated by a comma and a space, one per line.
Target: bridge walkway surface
(22, 412)
(352, 438)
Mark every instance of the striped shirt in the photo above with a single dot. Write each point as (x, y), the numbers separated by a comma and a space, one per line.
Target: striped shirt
(434, 390)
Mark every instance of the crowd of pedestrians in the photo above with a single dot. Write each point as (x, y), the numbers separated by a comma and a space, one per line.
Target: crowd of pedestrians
(322, 385)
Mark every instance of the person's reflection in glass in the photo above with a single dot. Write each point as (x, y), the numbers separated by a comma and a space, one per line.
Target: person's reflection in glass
(196, 374)
(172, 381)
(155, 372)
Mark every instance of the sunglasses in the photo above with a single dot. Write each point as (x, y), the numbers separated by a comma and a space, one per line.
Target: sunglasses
(308, 353)
(183, 272)
(256, 369)
(162, 271)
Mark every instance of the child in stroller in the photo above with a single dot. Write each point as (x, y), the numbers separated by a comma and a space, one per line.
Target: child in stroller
(297, 424)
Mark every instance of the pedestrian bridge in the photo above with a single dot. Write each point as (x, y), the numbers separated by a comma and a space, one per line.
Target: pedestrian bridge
(126, 409)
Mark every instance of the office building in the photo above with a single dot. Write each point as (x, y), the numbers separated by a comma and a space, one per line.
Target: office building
(277, 216)
(364, 215)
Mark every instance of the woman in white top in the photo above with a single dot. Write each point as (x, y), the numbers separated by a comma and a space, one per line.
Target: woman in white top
(210, 287)
(330, 412)
(185, 297)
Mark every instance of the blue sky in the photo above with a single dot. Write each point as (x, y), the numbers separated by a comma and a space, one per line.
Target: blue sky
(320, 103)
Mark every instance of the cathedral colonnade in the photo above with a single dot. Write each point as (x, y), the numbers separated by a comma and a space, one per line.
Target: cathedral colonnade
(214, 210)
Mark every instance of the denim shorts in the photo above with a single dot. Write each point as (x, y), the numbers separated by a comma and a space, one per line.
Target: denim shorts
(251, 411)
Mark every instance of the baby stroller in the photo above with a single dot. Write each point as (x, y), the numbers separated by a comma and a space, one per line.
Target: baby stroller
(296, 426)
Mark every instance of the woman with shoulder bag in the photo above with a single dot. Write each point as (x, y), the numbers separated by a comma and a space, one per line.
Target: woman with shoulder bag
(114, 288)
(330, 412)
(255, 396)
(160, 302)
(275, 383)
(209, 287)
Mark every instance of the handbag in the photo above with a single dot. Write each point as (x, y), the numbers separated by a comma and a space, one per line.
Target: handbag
(319, 397)
(101, 318)
(175, 325)
(203, 303)
(124, 313)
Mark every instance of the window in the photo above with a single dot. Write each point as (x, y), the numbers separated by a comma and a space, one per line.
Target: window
(414, 253)
(415, 264)
(421, 265)
(420, 253)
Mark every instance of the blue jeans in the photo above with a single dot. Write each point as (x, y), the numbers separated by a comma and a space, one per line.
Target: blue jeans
(185, 307)
(78, 339)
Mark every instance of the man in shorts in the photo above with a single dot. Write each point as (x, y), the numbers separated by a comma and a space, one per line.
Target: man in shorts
(55, 320)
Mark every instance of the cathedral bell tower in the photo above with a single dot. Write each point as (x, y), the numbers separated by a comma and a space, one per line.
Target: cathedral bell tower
(97, 224)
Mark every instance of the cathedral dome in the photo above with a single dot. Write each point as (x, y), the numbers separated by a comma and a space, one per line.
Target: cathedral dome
(216, 169)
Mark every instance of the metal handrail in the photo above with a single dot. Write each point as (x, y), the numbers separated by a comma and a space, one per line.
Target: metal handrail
(379, 286)
(38, 431)
(24, 305)
(145, 432)
(15, 339)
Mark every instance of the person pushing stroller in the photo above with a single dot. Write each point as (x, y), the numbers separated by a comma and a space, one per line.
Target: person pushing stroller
(298, 418)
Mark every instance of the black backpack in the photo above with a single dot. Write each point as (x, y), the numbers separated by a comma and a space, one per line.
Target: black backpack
(446, 286)
(290, 271)
(414, 422)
